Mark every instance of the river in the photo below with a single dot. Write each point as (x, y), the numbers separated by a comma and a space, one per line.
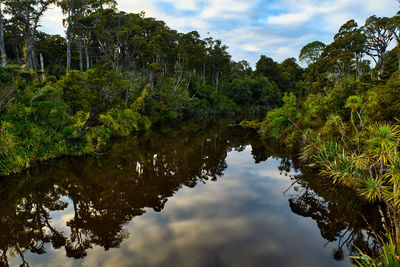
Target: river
(198, 195)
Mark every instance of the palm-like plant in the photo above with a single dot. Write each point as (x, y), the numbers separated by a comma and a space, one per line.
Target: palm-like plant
(389, 256)
(353, 103)
(10, 156)
(373, 169)
(384, 141)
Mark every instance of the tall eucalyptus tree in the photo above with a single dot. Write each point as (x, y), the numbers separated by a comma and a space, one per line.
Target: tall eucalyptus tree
(76, 10)
(26, 14)
(379, 36)
(2, 41)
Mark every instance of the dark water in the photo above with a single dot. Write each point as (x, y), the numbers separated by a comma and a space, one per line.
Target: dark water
(217, 196)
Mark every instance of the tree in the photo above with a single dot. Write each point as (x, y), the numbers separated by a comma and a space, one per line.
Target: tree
(267, 67)
(311, 52)
(347, 49)
(219, 60)
(241, 68)
(379, 35)
(26, 14)
(76, 10)
(2, 41)
(395, 29)
(290, 74)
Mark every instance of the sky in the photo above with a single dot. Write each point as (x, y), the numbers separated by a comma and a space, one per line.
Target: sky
(251, 28)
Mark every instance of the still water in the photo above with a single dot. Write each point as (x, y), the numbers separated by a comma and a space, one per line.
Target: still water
(201, 195)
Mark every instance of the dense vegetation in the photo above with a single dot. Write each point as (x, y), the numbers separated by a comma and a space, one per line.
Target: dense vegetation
(344, 117)
(117, 73)
(114, 74)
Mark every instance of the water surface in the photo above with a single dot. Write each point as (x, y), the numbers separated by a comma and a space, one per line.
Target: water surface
(206, 195)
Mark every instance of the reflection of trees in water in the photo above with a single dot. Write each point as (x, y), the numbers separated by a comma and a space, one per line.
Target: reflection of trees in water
(342, 218)
(108, 192)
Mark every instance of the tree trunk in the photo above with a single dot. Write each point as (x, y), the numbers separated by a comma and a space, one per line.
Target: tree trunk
(69, 38)
(2, 42)
(399, 58)
(86, 44)
(151, 81)
(28, 53)
(87, 57)
(68, 49)
(42, 67)
(382, 63)
(19, 54)
(80, 54)
(35, 60)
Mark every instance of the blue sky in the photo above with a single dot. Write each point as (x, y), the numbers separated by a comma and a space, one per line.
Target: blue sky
(278, 29)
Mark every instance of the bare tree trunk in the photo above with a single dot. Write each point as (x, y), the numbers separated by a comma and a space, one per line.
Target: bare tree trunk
(35, 60)
(42, 67)
(2, 41)
(151, 81)
(86, 44)
(357, 66)
(80, 54)
(382, 63)
(69, 38)
(398, 44)
(28, 53)
(87, 57)
(68, 49)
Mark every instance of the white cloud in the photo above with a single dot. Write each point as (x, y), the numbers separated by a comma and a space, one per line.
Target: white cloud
(278, 29)
(250, 47)
(52, 21)
(136, 6)
(227, 9)
(185, 4)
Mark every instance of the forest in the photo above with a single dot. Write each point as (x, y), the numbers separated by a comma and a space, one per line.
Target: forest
(116, 73)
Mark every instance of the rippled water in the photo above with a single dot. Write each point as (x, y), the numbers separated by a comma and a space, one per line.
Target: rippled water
(207, 195)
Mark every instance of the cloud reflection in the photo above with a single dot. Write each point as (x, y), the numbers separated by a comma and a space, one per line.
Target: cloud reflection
(227, 223)
(211, 197)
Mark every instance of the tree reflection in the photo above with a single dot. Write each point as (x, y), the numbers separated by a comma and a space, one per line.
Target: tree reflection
(342, 218)
(106, 192)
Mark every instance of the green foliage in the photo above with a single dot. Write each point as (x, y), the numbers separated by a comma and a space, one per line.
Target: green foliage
(139, 71)
(10, 158)
(390, 255)
(388, 99)
(124, 122)
(278, 122)
(311, 52)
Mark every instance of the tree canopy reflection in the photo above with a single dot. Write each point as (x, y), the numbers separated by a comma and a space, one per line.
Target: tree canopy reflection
(107, 192)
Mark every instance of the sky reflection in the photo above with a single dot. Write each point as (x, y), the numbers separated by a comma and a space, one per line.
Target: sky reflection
(214, 197)
(241, 220)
